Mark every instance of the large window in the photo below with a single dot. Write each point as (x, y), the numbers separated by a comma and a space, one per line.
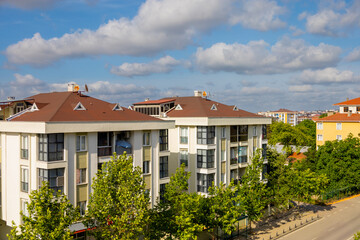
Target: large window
(81, 176)
(105, 143)
(338, 126)
(163, 139)
(24, 146)
(264, 131)
(320, 125)
(233, 155)
(55, 177)
(164, 167)
(206, 135)
(205, 158)
(146, 139)
(242, 154)
(184, 135)
(238, 133)
(81, 143)
(184, 157)
(51, 147)
(204, 181)
(264, 150)
(146, 167)
(24, 179)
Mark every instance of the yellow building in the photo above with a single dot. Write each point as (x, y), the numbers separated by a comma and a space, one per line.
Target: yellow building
(282, 115)
(339, 125)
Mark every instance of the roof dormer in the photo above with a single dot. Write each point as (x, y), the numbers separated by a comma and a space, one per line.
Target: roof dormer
(213, 107)
(79, 106)
(117, 107)
(34, 107)
(178, 107)
(235, 108)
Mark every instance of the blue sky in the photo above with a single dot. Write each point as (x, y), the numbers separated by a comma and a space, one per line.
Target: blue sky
(257, 54)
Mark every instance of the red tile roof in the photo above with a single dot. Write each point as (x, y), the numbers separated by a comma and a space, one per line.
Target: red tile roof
(150, 102)
(340, 117)
(296, 157)
(285, 110)
(355, 101)
(59, 107)
(201, 107)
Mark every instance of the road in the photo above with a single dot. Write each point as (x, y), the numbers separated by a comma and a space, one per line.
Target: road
(339, 223)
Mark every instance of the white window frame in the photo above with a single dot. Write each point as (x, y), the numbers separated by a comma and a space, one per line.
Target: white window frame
(24, 203)
(320, 126)
(81, 143)
(24, 179)
(24, 145)
(254, 131)
(184, 134)
(184, 152)
(339, 137)
(320, 137)
(82, 207)
(80, 172)
(338, 126)
(146, 139)
(223, 132)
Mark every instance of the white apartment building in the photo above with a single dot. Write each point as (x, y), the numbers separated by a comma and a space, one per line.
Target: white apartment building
(63, 138)
(215, 141)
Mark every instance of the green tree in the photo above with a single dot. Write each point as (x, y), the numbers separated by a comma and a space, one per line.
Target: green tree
(253, 192)
(118, 206)
(49, 216)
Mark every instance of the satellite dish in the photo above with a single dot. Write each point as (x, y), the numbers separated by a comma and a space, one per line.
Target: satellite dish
(86, 88)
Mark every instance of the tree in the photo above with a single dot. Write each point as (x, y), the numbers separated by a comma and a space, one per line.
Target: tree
(49, 216)
(252, 192)
(118, 206)
(177, 215)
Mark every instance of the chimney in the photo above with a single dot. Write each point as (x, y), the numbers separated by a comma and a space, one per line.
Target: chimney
(11, 98)
(71, 87)
(197, 93)
(347, 99)
(349, 113)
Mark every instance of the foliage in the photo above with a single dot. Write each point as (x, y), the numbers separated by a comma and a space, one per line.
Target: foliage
(302, 134)
(118, 206)
(323, 115)
(357, 236)
(49, 216)
(339, 161)
(252, 192)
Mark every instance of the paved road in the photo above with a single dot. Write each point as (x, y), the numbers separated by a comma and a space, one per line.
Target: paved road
(339, 223)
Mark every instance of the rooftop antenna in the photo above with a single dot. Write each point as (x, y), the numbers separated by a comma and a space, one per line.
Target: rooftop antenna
(86, 88)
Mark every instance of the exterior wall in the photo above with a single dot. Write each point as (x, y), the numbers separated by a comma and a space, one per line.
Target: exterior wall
(330, 132)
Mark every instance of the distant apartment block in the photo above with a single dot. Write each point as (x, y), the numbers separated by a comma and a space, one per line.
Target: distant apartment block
(283, 115)
(339, 125)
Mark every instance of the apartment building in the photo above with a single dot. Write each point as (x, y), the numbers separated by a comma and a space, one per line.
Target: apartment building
(64, 138)
(215, 141)
(283, 115)
(339, 125)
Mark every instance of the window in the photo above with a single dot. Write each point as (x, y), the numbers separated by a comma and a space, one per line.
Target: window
(223, 155)
(24, 146)
(264, 149)
(205, 135)
(51, 147)
(320, 125)
(358, 109)
(55, 177)
(146, 139)
(264, 132)
(162, 191)
(319, 137)
(164, 167)
(81, 176)
(82, 207)
(105, 143)
(338, 126)
(238, 133)
(24, 179)
(184, 135)
(163, 139)
(204, 181)
(346, 109)
(234, 176)
(184, 157)
(338, 137)
(233, 155)
(223, 132)
(254, 131)
(242, 154)
(205, 158)
(24, 205)
(81, 143)
(146, 167)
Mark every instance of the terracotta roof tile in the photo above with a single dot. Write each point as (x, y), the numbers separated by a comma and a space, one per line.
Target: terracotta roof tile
(340, 117)
(201, 107)
(355, 101)
(59, 107)
(284, 110)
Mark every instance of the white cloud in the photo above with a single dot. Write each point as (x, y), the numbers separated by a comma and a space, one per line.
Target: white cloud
(334, 20)
(159, 25)
(300, 88)
(257, 58)
(259, 90)
(162, 65)
(261, 15)
(354, 55)
(327, 76)
(28, 4)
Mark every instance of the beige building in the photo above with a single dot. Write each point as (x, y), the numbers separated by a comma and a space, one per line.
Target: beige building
(215, 141)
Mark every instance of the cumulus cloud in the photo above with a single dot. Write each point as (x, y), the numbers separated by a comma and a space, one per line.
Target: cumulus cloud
(162, 65)
(28, 4)
(257, 57)
(159, 25)
(334, 20)
(354, 55)
(261, 15)
(300, 88)
(327, 76)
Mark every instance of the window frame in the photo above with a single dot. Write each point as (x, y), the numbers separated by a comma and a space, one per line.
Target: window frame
(105, 150)
(184, 157)
(146, 138)
(81, 176)
(49, 178)
(45, 145)
(146, 167)
(204, 181)
(184, 135)
(81, 140)
(24, 146)
(339, 137)
(320, 126)
(24, 204)
(164, 140)
(82, 207)
(163, 167)
(24, 179)
(319, 137)
(205, 135)
(205, 158)
(338, 126)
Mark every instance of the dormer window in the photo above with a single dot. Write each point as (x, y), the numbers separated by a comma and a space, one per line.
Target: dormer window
(178, 107)
(117, 107)
(213, 107)
(34, 107)
(79, 106)
(235, 108)
(346, 109)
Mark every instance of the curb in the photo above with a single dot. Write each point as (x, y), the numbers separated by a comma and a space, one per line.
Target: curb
(342, 200)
